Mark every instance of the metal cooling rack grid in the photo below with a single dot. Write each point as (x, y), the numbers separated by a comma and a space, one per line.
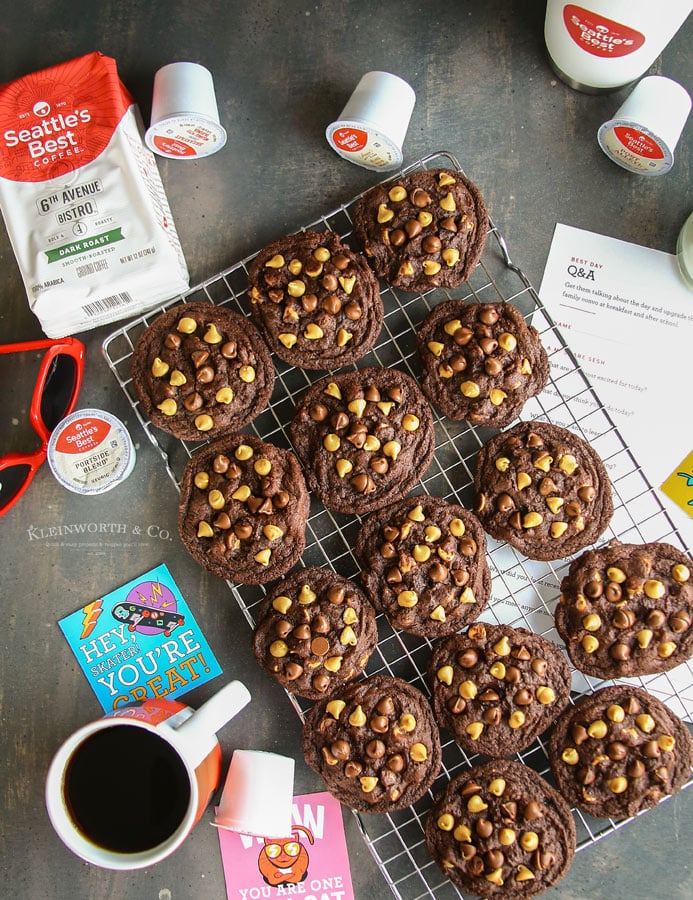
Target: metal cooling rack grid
(524, 592)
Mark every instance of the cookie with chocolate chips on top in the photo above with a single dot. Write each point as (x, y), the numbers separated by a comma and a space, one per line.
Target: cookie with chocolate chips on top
(316, 301)
(243, 509)
(423, 563)
(496, 688)
(542, 489)
(199, 370)
(627, 610)
(424, 230)
(364, 438)
(619, 751)
(315, 632)
(499, 830)
(480, 361)
(374, 743)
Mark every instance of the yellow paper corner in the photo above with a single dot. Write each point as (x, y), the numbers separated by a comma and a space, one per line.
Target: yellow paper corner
(679, 485)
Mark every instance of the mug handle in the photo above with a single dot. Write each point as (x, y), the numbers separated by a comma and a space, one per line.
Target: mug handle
(211, 717)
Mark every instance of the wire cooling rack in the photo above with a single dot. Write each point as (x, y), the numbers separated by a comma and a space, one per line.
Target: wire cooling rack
(524, 592)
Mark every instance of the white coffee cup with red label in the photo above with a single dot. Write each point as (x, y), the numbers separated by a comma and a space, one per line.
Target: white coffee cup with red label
(601, 45)
(125, 791)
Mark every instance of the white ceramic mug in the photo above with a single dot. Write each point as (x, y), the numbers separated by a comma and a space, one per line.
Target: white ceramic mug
(125, 791)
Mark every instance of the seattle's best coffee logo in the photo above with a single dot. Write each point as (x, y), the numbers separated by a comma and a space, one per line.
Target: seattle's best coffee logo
(598, 35)
(53, 133)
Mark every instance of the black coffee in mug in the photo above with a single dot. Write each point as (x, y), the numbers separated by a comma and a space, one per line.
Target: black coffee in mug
(126, 789)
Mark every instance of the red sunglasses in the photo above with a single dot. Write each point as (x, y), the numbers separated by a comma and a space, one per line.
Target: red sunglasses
(55, 395)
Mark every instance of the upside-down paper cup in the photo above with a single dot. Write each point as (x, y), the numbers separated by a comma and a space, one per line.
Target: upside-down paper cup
(258, 794)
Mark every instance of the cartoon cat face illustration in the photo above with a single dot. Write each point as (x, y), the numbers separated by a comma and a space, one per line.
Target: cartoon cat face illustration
(285, 861)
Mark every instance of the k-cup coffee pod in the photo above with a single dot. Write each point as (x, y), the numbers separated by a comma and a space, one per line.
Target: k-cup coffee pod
(258, 794)
(91, 452)
(642, 135)
(371, 129)
(185, 118)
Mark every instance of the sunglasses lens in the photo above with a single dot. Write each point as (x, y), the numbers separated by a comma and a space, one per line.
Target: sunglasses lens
(12, 480)
(58, 389)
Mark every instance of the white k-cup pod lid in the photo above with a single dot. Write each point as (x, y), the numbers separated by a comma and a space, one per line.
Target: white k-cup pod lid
(372, 126)
(258, 794)
(90, 452)
(642, 135)
(185, 118)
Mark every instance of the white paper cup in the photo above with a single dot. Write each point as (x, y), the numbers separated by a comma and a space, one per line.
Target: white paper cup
(643, 133)
(258, 795)
(372, 126)
(185, 118)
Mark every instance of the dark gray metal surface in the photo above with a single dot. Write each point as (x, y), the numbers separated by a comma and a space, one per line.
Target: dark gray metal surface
(282, 72)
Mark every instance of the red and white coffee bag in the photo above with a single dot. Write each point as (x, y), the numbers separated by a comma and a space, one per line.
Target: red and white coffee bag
(82, 198)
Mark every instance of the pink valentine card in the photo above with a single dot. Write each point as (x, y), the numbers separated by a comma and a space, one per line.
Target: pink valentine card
(311, 865)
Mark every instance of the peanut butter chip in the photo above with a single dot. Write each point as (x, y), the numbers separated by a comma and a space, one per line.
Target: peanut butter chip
(524, 874)
(476, 804)
(168, 407)
(497, 787)
(368, 783)
(159, 367)
(263, 557)
(187, 325)
(418, 752)
(335, 708)
(358, 717)
(224, 395)
(282, 604)
(445, 674)
(462, 833)
(212, 335)
(446, 822)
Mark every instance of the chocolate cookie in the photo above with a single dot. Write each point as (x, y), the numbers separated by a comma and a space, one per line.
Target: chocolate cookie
(542, 489)
(500, 830)
(627, 609)
(314, 632)
(619, 751)
(243, 509)
(199, 370)
(423, 231)
(423, 563)
(364, 438)
(316, 301)
(497, 688)
(374, 743)
(480, 361)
